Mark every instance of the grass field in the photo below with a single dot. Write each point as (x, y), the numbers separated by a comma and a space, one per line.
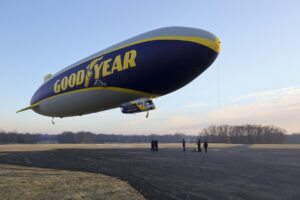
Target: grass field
(45, 147)
(17, 182)
(276, 146)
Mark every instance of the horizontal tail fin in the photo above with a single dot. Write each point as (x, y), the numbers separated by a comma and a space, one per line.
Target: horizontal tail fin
(28, 107)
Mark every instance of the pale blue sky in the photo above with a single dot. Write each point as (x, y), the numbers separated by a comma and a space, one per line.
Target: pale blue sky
(255, 79)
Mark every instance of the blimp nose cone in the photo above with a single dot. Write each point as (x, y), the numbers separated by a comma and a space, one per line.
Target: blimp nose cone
(204, 38)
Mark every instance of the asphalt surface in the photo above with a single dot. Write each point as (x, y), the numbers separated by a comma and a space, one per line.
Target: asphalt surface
(226, 173)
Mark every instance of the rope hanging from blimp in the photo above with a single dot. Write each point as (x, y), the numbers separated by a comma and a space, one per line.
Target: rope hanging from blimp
(219, 84)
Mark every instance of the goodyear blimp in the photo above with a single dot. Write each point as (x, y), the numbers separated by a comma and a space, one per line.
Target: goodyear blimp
(129, 74)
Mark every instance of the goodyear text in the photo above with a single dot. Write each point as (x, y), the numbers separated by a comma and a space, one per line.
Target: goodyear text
(97, 68)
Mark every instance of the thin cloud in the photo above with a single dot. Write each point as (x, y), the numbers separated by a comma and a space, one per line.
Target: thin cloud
(269, 94)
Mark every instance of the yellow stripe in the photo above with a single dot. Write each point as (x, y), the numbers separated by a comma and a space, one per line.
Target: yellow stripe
(117, 89)
(214, 45)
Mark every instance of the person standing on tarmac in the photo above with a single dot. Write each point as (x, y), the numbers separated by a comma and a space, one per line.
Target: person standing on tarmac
(205, 146)
(199, 145)
(183, 144)
(152, 145)
(156, 145)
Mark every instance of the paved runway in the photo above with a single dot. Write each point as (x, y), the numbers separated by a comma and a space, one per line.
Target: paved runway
(224, 173)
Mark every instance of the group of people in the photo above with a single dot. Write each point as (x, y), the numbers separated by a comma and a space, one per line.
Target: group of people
(205, 145)
(154, 145)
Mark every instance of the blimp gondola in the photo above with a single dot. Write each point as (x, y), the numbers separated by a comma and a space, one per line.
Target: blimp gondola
(129, 74)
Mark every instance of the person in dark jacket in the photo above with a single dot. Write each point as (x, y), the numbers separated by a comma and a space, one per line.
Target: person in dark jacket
(152, 145)
(183, 144)
(199, 145)
(205, 146)
(156, 145)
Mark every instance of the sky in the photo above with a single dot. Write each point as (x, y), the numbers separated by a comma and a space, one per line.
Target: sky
(254, 80)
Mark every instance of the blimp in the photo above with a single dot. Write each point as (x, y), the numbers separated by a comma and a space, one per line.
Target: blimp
(128, 75)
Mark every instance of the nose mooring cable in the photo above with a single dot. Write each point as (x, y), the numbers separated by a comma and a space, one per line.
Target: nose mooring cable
(219, 85)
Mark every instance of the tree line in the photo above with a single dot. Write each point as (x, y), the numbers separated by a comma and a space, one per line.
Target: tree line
(88, 138)
(243, 134)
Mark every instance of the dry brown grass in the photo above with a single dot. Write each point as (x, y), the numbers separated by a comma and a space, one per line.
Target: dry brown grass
(35, 183)
(275, 146)
(45, 147)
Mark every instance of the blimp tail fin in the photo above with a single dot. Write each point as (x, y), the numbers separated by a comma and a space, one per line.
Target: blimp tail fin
(28, 107)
